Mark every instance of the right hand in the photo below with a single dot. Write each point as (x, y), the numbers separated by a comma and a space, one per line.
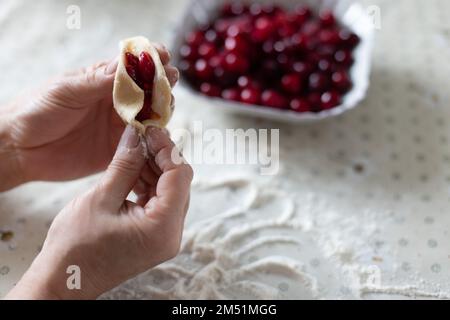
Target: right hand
(110, 238)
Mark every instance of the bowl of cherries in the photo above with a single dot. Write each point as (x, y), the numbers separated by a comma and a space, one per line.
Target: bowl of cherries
(287, 60)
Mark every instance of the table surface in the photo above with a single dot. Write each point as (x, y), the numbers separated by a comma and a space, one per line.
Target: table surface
(359, 208)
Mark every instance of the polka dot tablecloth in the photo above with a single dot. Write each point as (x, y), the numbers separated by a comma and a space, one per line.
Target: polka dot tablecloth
(358, 210)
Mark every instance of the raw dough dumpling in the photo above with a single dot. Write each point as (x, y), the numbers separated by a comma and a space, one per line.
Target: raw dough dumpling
(128, 97)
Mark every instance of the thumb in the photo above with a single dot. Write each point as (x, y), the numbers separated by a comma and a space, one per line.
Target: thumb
(125, 168)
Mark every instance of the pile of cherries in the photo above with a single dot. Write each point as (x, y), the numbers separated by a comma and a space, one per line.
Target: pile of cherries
(142, 70)
(265, 55)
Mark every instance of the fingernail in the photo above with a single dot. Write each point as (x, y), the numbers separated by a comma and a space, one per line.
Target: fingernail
(112, 66)
(130, 138)
(153, 136)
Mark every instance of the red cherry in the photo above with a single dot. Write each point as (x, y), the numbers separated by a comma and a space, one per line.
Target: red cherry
(328, 37)
(314, 100)
(187, 68)
(237, 44)
(146, 68)
(250, 96)
(210, 89)
(310, 28)
(211, 36)
(223, 77)
(318, 82)
(301, 42)
(341, 80)
(344, 57)
(206, 50)
(244, 81)
(221, 26)
(235, 63)
(348, 39)
(203, 70)
(233, 94)
(131, 60)
(325, 65)
(300, 105)
(263, 29)
(292, 83)
(186, 52)
(194, 39)
(256, 10)
(330, 99)
(304, 69)
(327, 18)
(303, 13)
(273, 99)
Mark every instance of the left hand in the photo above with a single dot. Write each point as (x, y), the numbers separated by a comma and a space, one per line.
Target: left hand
(69, 128)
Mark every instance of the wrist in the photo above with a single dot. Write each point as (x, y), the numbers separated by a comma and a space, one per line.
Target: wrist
(10, 172)
(48, 279)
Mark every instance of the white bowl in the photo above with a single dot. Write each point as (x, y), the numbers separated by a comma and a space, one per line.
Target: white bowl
(350, 14)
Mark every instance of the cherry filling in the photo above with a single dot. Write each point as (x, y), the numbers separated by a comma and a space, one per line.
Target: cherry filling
(142, 71)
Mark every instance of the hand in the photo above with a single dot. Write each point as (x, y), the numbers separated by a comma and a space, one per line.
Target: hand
(69, 128)
(110, 238)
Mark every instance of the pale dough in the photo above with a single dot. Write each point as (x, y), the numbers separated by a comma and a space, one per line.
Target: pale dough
(129, 98)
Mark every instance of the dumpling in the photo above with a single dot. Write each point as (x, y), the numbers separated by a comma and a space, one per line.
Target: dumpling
(142, 92)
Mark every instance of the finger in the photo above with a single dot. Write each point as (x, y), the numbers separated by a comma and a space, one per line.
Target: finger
(172, 74)
(172, 104)
(124, 170)
(93, 82)
(172, 190)
(164, 54)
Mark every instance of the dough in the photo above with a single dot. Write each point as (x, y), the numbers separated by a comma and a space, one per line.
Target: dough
(128, 97)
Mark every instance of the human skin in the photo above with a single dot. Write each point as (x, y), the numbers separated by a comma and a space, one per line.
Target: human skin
(67, 130)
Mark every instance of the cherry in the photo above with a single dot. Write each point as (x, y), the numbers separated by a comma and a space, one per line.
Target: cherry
(311, 27)
(244, 81)
(329, 37)
(250, 96)
(291, 83)
(273, 99)
(203, 70)
(231, 94)
(263, 29)
(132, 67)
(223, 77)
(314, 100)
(146, 68)
(194, 39)
(301, 42)
(300, 105)
(186, 67)
(348, 39)
(330, 99)
(270, 9)
(206, 50)
(303, 13)
(211, 36)
(344, 57)
(318, 82)
(327, 18)
(304, 69)
(256, 10)
(237, 44)
(210, 89)
(235, 63)
(186, 52)
(341, 80)
(325, 65)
